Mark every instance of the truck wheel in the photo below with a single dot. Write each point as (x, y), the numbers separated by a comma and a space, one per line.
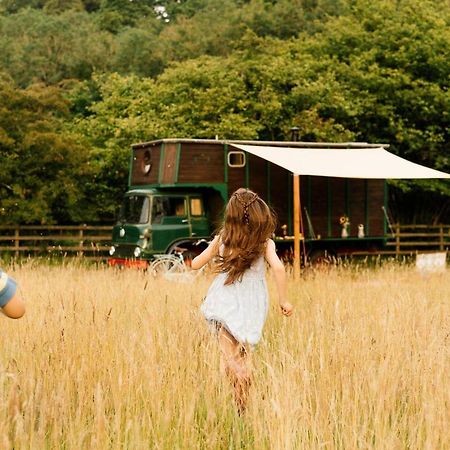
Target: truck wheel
(321, 258)
(188, 257)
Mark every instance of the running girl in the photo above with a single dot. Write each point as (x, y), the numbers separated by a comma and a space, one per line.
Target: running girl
(237, 301)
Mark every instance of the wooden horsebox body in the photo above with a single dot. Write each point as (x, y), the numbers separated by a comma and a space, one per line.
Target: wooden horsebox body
(218, 167)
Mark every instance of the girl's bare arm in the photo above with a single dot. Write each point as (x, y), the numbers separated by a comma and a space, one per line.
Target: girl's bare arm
(15, 308)
(280, 277)
(199, 261)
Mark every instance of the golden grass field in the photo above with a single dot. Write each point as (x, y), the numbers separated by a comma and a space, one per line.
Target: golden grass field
(107, 359)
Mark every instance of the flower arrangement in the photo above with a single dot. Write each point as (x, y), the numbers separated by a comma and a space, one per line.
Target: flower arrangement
(344, 221)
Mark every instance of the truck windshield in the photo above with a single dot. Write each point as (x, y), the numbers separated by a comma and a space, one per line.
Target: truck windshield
(167, 206)
(135, 209)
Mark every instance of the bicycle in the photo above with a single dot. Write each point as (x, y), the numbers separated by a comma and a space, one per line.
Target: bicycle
(176, 264)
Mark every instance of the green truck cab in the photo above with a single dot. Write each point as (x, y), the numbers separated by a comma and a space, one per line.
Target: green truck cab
(153, 221)
(178, 189)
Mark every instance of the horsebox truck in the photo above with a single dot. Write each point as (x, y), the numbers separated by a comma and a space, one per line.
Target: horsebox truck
(178, 189)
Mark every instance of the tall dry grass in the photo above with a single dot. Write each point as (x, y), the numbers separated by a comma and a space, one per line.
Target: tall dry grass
(115, 359)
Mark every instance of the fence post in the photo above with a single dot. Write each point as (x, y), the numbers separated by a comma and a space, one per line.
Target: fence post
(80, 235)
(441, 237)
(397, 240)
(16, 241)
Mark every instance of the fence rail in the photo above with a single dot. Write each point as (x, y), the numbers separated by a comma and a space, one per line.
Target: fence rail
(93, 241)
(72, 240)
(411, 238)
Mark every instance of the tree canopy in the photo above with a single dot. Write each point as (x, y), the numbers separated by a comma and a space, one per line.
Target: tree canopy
(84, 79)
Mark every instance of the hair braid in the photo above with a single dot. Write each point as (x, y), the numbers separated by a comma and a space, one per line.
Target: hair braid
(245, 205)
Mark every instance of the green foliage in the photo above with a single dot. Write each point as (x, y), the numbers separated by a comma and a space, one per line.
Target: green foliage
(114, 15)
(37, 47)
(249, 95)
(391, 63)
(139, 49)
(107, 73)
(43, 167)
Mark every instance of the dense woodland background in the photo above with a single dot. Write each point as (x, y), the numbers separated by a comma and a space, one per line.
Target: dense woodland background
(81, 80)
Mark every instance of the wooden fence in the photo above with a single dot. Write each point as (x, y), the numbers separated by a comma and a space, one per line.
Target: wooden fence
(94, 241)
(408, 239)
(68, 240)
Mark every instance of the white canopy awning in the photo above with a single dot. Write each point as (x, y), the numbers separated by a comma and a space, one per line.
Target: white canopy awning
(345, 163)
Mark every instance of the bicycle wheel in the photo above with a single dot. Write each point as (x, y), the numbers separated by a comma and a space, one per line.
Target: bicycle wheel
(166, 264)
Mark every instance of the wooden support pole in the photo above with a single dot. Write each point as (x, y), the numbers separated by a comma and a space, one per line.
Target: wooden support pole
(296, 195)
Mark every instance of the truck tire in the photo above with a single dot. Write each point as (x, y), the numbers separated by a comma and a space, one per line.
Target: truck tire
(321, 258)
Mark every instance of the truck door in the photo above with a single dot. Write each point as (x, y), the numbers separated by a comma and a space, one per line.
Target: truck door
(170, 221)
(198, 219)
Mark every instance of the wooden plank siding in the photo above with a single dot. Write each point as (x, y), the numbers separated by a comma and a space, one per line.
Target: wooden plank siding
(168, 172)
(338, 204)
(315, 199)
(280, 196)
(236, 179)
(258, 176)
(357, 206)
(138, 177)
(201, 163)
(376, 200)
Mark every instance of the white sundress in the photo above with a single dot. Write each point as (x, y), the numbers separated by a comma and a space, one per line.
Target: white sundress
(241, 307)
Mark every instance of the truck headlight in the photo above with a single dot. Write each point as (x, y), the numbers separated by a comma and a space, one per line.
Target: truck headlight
(112, 250)
(137, 252)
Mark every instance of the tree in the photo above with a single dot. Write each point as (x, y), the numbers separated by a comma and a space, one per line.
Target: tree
(43, 168)
(253, 94)
(139, 52)
(343, 70)
(389, 58)
(51, 6)
(37, 47)
(115, 15)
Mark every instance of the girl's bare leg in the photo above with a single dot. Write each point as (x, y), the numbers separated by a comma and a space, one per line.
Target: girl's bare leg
(236, 360)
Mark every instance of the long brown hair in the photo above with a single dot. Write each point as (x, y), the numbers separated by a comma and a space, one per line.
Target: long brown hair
(248, 223)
